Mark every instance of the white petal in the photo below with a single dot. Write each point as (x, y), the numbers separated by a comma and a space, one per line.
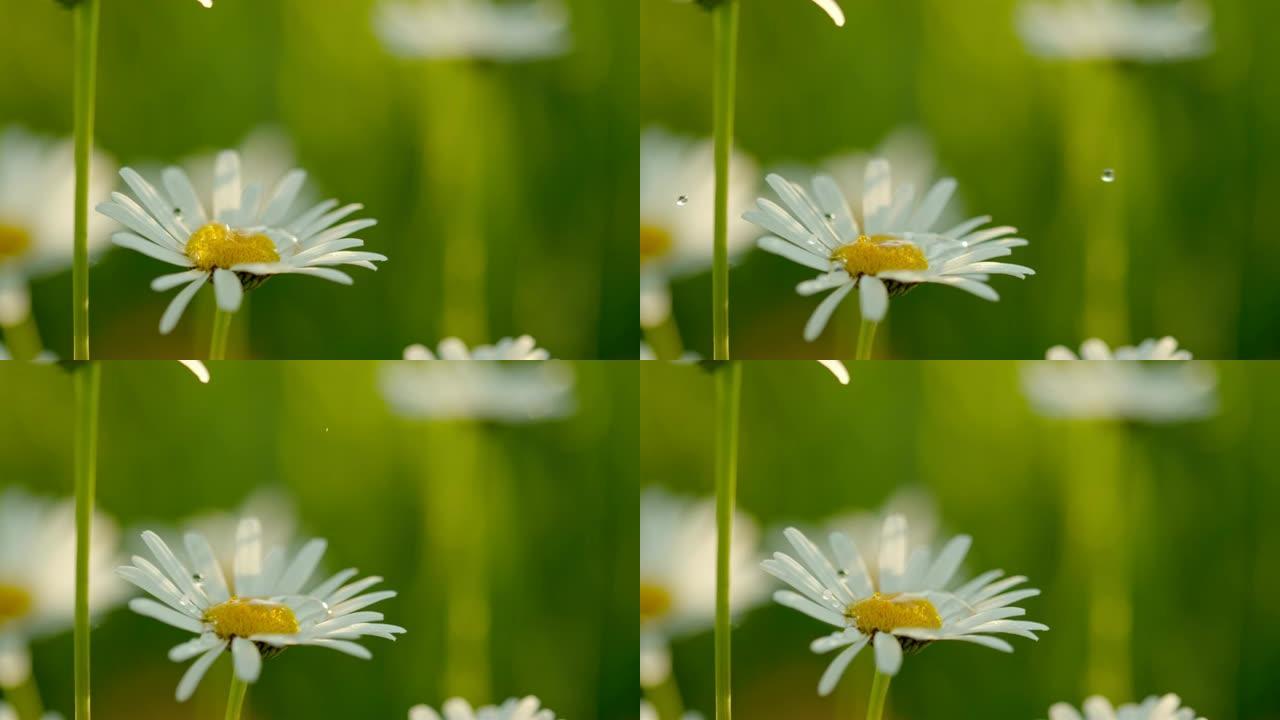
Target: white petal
(818, 321)
(837, 667)
(888, 654)
(191, 678)
(832, 9)
(873, 298)
(226, 185)
(248, 660)
(228, 289)
(179, 303)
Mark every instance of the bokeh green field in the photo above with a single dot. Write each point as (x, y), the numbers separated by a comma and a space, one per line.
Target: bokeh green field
(1193, 146)
(533, 163)
(1198, 507)
(393, 497)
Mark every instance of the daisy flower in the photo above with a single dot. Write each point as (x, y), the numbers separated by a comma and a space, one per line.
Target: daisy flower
(499, 392)
(473, 29)
(907, 604)
(261, 612)
(8, 713)
(1150, 392)
(38, 577)
(678, 577)
(863, 527)
(527, 708)
(1117, 30)
(894, 249)
(677, 192)
(910, 153)
(1153, 708)
(275, 512)
(243, 241)
(521, 348)
(37, 193)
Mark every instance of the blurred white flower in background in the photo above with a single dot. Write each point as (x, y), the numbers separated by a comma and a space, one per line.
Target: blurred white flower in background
(37, 195)
(519, 392)
(863, 526)
(1117, 30)
(267, 154)
(910, 153)
(1153, 708)
(647, 712)
(8, 713)
(677, 224)
(272, 505)
(37, 574)
(678, 573)
(44, 357)
(475, 29)
(1100, 384)
(520, 348)
(526, 708)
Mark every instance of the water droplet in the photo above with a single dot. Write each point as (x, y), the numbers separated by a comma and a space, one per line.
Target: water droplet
(842, 573)
(198, 578)
(830, 217)
(1108, 175)
(682, 201)
(828, 595)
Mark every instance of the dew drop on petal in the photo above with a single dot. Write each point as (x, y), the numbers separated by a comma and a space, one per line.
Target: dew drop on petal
(682, 201)
(842, 573)
(1108, 175)
(830, 217)
(828, 595)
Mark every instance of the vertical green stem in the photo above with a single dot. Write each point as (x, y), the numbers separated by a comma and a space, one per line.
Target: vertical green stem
(86, 78)
(221, 329)
(664, 339)
(726, 71)
(25, 699)
(866, 339)
(879, 692)
(728, 402)
(23, 339)
(235, 700)
(88, 384)
(665, 698)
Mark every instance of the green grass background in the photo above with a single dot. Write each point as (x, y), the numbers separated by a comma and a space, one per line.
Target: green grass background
(1201, 500)
(561, 573)
(1195, 157)
(552, 152)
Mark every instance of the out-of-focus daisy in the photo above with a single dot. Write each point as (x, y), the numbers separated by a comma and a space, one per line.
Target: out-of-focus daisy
(266, 154)
(687, 358)
(261, 612)
(1166, 348)
(520, 348)
(1107, 386)
(892, 250)
(527, 708)
(1167, 707)
(863, 528)
(647, 712)
(830, 7)
(677, 194)
(44, 357)
(38, 575)
(911, 602)
(37, 194)
(910, 153)
(275, 512)
(8, 713)
(245, 239)
(678, 574)
(473, 29)
(500, 392)
(1117, 30)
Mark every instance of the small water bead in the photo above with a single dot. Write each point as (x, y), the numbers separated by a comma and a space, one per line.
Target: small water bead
(682, 201)
(842, 573)
(830, 217)
(1108, 175)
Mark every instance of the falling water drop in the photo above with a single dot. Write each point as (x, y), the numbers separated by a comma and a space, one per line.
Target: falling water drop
(1108, 175)
(682, 201)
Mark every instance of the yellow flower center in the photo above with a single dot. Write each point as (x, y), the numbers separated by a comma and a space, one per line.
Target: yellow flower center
(654, 243)
(885, 613)
(242, 617)
(876, 254)
(15, 602)
(14, 241)
(217, 246)
(655, 601)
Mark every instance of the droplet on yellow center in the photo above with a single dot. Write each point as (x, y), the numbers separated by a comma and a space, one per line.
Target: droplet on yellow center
(875, 254)
(15, 602)
(655, 601)
(13, 241)
(239, 617)
(886, 613)
(654, 242)
(217, 246)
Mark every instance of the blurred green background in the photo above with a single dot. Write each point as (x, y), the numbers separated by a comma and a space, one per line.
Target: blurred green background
(532, 162)
(1193, 147)
(1198, 506)
(382, 491)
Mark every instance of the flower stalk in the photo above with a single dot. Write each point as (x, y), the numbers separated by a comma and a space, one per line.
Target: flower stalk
(235, 700)
(87, 15)
(23, 339)
(726, 70)
(879, 693)
(221, 330)
(88, 385)
(866, 339)
(665, 698)
(728, 405)
(25, 699)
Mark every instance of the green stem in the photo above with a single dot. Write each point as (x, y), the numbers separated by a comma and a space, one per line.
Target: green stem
(221, 329)
(664, 339)
(866, 339)
(665, 698)
(23, 339)
(88, 385)
(728, 402)
(879, 692)
(726, 49)
(25, 699)
(86, 78)
(235, 700)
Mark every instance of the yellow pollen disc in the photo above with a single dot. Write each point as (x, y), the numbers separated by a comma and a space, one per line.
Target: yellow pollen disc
(14, 241)
(654, 243)
(883, 613)
(872, 255)
(217, 246)
(14, 603)
(655, 601)
(240, 617)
